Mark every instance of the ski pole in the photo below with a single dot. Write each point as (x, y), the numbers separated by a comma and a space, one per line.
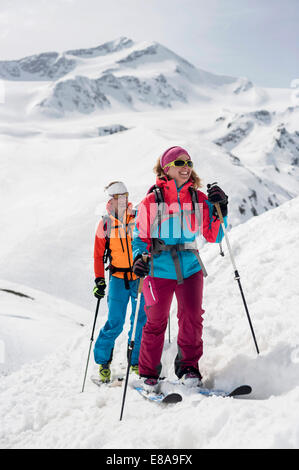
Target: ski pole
(132, 342)
(91, 340)
(169, 329)
(237, 276)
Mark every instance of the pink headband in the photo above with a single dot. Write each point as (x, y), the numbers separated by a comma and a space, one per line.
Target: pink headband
(170, 155)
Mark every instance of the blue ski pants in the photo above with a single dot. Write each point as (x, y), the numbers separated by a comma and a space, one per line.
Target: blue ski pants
(118, 299)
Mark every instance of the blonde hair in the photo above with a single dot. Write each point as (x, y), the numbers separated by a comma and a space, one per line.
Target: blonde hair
(158, 170)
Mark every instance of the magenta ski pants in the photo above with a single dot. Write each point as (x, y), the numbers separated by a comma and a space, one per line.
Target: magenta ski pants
(158, 294)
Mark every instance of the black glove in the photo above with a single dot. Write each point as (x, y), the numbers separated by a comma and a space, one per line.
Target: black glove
(216, 194)
(99, 289)
(140, 267)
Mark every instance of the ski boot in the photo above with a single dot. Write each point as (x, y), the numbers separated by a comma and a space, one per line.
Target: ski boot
(191, 377)
(104, 372)
(134, 369)
(150, 384)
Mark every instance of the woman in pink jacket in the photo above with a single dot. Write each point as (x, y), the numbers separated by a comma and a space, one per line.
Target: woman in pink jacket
(169, 219)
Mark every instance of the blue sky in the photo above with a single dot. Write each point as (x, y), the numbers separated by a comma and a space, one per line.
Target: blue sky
(258, 39)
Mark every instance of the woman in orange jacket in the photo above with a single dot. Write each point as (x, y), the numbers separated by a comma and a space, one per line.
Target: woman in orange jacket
(114, 241)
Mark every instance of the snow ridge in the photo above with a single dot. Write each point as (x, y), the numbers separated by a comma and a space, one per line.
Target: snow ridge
(117, 74)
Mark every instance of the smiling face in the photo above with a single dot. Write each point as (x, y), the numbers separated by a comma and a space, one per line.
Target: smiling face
(181, 174)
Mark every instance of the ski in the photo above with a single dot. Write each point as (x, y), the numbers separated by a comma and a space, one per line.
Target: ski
(236, 392)
(208, 392)
(160, 397)
(112, 383)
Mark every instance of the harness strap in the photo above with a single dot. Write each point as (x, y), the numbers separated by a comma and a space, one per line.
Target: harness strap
(158, 246)
(114, 269)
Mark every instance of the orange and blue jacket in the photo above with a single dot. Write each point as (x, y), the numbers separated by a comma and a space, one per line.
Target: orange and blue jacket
(120, 234)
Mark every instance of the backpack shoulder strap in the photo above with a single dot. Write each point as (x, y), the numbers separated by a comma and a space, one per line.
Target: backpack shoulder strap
(107, 229)
(158, 192)
(159, 199)
(195, 205)
(194, 196)
(134, 212)
(159, 196)
(106, 225)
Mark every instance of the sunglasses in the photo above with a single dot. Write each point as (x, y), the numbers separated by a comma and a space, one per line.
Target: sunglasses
(118, 196)
(180, 163)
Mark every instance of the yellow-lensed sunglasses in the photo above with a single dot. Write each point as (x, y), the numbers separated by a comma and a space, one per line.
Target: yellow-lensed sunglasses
(180, 163)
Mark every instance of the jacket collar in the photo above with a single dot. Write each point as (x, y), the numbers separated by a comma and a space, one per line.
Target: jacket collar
(171, 191)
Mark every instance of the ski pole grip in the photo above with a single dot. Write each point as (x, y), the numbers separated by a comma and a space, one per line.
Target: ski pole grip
(217, 205)
(145, 258)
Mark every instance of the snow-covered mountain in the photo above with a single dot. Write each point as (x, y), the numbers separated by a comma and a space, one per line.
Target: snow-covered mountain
(266, 143)
(117, 75)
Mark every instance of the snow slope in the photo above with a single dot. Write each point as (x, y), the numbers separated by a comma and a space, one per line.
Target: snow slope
(33, 325)
(41, 405)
